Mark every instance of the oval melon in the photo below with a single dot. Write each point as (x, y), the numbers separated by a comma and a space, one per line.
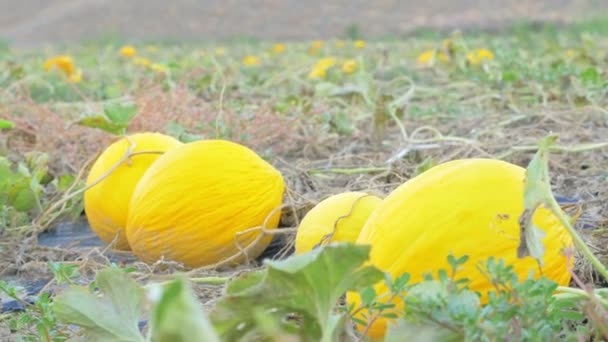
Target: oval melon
(190, 206)
(462, 207)
(339, 217)
(106, 203)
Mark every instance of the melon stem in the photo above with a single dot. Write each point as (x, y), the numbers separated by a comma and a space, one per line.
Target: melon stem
(578, 241)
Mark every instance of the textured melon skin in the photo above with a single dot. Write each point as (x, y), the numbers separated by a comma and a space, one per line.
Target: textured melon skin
(349, 209)
(468, 207)
(106, 204)
(190, 204)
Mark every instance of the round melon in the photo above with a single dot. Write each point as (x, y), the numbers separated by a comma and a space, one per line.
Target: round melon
(338, 218)
(470, 207)
(106, 203)
(191, 205)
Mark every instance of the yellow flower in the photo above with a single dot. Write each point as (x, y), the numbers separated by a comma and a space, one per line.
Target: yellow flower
(142, 61)
(570, 53)
(128, 51)
(76, 76)
(278, 48)
(152, 48)
(251, 60)
(64, 63)
(220, 51)
(428, 57)
(340, 44)
(359, 44)
(315, 46)
(159, 68)
(349, 66)
(319, 70)
(480, 55)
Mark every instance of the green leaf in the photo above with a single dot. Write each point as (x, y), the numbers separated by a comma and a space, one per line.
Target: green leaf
(65, 181)
(114, 120)
(5, 124)
(103, 123)
(179, 132)
(178, 316)
(591, 76)
(307, 285)
(7, 176)
(21, 196)
(113, 317)
(120, 113)
(537, 191)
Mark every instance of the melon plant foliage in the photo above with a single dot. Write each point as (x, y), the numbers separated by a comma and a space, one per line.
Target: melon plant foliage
(305, 287)
(301, 298)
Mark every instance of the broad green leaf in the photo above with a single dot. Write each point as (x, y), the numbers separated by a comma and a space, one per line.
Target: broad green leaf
(120, 113)
(537, 191)
(591, 75)
(307, 285)
(5, 124)
(113, 317)
(65, 181)
(101, 122)
(246, 283)
(7, 176)
(20, 195)
(178, 316)
(179, 132)
(325, 89)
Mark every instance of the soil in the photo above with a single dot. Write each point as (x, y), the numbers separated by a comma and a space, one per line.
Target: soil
(31, 22)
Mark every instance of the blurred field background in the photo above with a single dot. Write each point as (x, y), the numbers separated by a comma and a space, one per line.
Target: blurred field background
(28, 22)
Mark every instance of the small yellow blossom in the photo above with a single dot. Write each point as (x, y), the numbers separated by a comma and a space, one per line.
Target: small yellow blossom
(359, 44)
(76, 76)
(428, 57)
(340, 44)
(63, 62)
(315, 46)
(152, 48)
(159, 68)
(142, 61)
(220, 51)
(128, 51)
(319, 70)
(349, 66)
(480, 55)
(278, 48)
(570, 53)
(251, 60)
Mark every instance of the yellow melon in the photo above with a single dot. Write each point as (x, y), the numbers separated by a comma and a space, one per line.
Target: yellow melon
(467, 207)
(191, 205)
(339, 217)
(106, 203)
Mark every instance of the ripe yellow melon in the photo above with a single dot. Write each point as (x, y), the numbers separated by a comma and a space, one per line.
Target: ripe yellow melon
(106, 203)
(468, 207)
(346, 212)
(190, 205)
